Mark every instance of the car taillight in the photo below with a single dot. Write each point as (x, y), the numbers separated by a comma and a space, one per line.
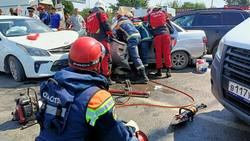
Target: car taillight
(205, 41)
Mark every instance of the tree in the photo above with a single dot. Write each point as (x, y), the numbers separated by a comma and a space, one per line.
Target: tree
(85, 12)
(175, 4)
(238, 2)
(129, 3)
(68, 6)
(191, 5)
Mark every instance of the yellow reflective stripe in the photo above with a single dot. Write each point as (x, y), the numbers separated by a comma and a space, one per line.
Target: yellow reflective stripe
(133, 35)
(92, 115)
(98, 30)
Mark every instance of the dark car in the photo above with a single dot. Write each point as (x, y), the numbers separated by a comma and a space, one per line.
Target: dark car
(215, 22)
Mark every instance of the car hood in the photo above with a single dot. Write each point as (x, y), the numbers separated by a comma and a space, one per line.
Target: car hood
(49, 40)
(239, 36)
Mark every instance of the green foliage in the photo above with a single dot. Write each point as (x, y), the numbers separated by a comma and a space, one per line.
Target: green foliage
(174, 4)
(68, 6)
(85, 12)
(238, 2)
(129, 3)
(191, 5)
(186, 5)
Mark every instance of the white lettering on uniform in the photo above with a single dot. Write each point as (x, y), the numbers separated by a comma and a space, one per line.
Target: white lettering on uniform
(51, 99)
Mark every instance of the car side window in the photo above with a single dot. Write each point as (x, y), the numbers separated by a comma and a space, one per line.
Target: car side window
(185, 21)
(209, 19)
(232, 18)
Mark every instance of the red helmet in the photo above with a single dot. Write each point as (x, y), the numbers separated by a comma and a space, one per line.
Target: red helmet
(141, 136)
(86, 53)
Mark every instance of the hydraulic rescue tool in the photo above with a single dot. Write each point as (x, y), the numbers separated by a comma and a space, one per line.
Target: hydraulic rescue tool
(128, 91)
(186, 114)
(26, 107)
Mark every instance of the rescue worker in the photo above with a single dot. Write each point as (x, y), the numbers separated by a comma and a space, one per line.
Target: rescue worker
(76, 104)
(146, 39)
(98, 27)
(158, 23)
(127, 32)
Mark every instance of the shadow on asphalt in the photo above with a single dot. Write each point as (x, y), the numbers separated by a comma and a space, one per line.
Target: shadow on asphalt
(214, 125)
(9, 125)
(6, 81)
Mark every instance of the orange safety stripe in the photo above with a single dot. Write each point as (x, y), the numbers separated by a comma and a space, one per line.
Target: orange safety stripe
(98, 99)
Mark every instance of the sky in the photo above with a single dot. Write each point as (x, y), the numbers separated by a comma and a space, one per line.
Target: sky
(90, 3)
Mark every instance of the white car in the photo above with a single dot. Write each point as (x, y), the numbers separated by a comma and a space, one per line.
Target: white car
(31, 49)
(189, 45)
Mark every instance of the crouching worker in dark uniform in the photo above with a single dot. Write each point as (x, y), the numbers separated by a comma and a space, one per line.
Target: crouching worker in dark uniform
(146, 39)
(127, 31)
(76, 104)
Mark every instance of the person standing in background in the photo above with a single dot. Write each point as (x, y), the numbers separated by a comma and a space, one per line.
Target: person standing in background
(12, 12)
(55, 19)
(77, 22)
(1, 12)
(32, 14)
(43, 15)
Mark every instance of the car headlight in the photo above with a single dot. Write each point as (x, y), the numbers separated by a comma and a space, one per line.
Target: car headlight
(220, 49)
(34, 51)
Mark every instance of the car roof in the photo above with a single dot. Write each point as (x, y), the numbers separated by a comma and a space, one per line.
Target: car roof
(210, 10)
(4, 17)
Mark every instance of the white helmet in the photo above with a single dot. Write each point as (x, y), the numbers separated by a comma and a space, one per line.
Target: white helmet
(100, 5)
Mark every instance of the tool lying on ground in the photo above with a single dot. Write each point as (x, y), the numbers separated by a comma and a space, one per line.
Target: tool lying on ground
(186, 114)
(26, 107)
(128, 91)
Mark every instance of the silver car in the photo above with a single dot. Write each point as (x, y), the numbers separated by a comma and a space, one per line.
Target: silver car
(189, 46)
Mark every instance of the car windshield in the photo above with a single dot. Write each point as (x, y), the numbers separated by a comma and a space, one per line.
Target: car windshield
(21, 27)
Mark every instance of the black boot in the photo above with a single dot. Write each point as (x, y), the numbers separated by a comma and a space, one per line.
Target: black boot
(158, 73)
(168, 73)
(110, 81)
(143, 78)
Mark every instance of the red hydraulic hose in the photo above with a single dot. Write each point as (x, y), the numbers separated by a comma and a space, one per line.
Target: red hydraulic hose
(124, 104)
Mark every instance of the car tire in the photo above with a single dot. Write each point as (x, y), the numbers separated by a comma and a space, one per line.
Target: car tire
(214, 51)
(16, 69)
(180, 60)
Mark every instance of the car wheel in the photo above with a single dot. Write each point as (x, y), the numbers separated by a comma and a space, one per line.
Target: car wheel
(214, 51)
(180, 60)
(16, 69)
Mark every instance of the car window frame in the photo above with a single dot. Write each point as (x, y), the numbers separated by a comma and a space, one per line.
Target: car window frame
(238, 12)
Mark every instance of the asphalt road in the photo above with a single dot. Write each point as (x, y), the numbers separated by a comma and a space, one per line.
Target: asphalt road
(211, 124)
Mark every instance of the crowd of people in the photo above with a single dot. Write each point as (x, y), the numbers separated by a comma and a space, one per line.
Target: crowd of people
(54, 20)
(138, 33)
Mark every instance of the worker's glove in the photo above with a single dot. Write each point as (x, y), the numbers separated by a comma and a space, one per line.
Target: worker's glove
(133, 125)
